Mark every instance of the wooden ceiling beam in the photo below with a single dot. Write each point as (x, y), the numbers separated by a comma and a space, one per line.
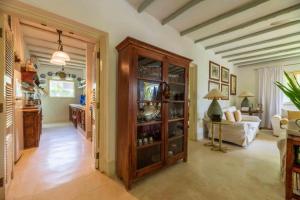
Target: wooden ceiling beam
(47, 59)
(252, 22)
(179, 11)
(228, 14)
(262, 49)
(254, 34)
(252, 62)
(53, 42)
(144, 5)
(43, 48)
(66, 66)
(72, 56)
(45, 55)
(259, 43)
(266, 54)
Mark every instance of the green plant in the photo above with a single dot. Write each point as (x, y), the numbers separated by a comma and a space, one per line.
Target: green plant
(292, 89)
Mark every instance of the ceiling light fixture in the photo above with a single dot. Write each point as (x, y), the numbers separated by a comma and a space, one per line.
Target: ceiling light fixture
(59, 57)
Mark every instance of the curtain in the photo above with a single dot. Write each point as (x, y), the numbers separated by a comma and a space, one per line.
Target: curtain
(269, 95)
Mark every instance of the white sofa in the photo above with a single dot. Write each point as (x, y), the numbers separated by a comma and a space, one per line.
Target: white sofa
(240, 133)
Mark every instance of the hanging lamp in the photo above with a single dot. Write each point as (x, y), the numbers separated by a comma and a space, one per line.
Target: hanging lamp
(59, 57)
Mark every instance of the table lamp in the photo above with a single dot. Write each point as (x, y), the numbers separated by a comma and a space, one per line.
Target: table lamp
(245, 102)
(214, 111)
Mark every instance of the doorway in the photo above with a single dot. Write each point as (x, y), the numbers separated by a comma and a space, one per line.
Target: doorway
(100, 74)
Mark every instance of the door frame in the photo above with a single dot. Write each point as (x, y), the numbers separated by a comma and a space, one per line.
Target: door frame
(193, 116)
(98, 37)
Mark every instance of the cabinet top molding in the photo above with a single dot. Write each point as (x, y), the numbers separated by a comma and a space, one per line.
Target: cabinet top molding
(132, 41)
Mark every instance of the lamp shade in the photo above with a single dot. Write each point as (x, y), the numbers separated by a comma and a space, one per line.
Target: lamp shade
(56, 61)
(246, 94)
(214, 94)
(61, 55)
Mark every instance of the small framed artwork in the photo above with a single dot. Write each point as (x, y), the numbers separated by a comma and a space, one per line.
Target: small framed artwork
(225, 75)
(213, 85)
(225, 91)
(232, 84)
(214, 71)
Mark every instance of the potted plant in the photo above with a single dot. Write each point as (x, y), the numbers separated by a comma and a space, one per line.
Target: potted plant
(292, 91)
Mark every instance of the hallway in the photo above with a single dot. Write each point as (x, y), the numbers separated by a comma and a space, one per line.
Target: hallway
(61, 168)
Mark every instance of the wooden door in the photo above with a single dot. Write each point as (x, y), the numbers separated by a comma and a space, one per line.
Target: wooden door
(148, 108)
(176, 113)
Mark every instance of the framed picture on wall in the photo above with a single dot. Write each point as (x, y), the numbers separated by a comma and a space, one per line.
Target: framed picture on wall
(225, 75)
(213, 85)
(225, 91)
(214, 71)
(232, 84)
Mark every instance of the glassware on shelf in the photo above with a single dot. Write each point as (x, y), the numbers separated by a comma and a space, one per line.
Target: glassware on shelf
(176, 110)
(176, 129)
(149, 112)
(175, 146)
(176, 74)
(149, 68)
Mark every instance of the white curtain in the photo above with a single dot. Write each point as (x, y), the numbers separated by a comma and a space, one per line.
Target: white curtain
(269, 95)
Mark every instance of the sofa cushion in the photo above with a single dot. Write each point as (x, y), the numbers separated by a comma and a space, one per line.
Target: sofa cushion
(292, 115)
(229, 116)
(238, 116)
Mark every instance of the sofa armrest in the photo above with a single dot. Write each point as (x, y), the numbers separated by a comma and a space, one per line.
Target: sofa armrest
(248, 118)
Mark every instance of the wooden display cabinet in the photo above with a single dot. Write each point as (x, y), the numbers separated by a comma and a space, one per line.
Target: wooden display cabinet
(152, 112)
(292, 175)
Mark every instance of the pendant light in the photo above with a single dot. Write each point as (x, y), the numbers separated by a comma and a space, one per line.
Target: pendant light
(59, 57)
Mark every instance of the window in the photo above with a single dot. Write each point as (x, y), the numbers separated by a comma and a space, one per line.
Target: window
(58, 88)
(286, 100)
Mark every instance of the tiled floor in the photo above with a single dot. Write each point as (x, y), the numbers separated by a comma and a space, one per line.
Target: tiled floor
(62, 169)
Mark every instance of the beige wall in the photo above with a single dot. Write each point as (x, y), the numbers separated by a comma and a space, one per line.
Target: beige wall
(56, 110)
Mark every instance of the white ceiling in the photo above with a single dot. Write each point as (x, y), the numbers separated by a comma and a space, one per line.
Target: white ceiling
(205, 10)
(41, 42)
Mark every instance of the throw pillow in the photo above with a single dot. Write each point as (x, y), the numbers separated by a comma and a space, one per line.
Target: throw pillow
(292, 115)
(238, 115)
(229, 116)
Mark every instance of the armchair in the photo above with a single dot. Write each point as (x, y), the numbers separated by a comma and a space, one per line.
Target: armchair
(241, 133)
(279, 125)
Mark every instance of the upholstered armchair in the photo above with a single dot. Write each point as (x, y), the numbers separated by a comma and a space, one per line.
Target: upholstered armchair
(241, 133)
(279, 125)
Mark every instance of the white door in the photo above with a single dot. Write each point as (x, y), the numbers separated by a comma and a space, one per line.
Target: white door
(6, 104)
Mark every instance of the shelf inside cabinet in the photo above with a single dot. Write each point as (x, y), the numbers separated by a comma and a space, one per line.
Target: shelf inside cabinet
(149, 79)
(174, 83)
(149, 145)
(149, 123)
(175, 101)
(175, 137)
(175, 120)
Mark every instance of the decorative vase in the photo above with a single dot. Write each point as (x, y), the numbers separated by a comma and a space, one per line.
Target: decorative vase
(214, 111)
(245, 102)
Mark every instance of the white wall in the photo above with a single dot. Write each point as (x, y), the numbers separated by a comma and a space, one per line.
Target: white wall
(56, 110)
(120, 20)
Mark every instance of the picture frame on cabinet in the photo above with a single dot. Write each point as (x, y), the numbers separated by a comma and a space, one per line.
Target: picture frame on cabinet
(233, 86)
(225, 91)
(224, 74)
(213, 85)
(214, 71)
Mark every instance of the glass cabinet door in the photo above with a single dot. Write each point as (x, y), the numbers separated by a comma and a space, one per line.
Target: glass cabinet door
(176, 110)
(149, 112)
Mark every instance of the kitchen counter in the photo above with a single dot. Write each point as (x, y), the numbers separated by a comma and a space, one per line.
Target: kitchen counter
(77, 106)
(32, 125)
(77, 117)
